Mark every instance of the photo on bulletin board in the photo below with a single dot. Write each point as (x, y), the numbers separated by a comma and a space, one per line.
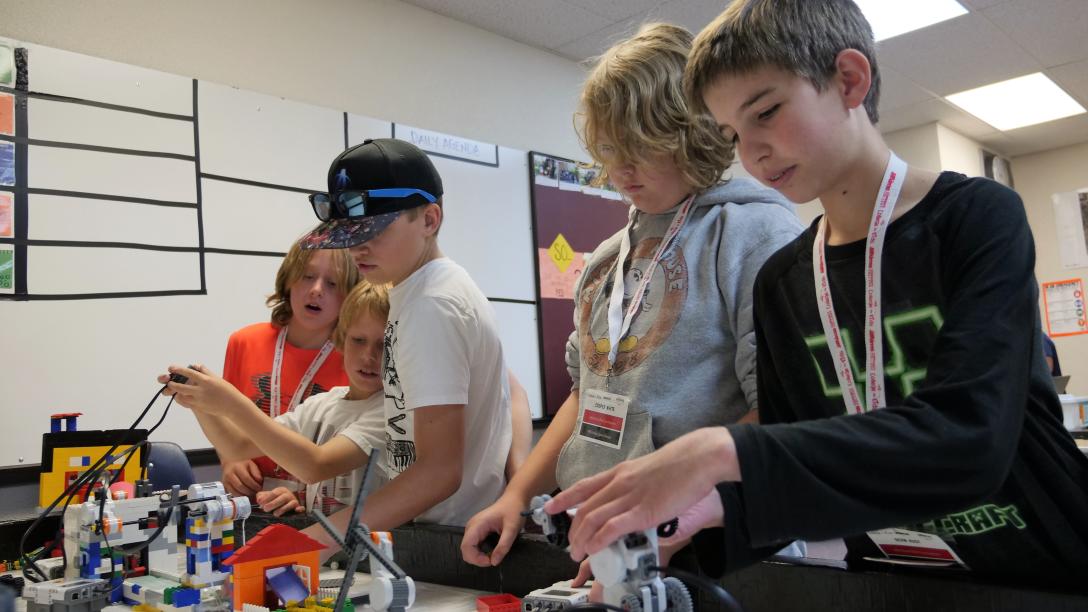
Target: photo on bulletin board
(1064, 306)
(568, 223)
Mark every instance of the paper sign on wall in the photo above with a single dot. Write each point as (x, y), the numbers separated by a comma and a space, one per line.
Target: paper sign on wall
(1064, 304)
(1071, 219)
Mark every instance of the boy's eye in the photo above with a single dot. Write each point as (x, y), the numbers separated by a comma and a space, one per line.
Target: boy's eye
(767, 114)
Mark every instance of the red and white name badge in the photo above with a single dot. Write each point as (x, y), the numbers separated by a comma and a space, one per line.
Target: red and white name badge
(602, 418)
(914, 546)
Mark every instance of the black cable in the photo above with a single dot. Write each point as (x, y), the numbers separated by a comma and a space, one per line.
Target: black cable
(724, 597)
(92, 473)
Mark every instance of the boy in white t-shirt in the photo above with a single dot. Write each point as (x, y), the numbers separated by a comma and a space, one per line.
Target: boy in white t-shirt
(328, 437)
(448, 428)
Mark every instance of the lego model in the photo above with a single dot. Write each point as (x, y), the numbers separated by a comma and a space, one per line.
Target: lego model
(627, 568)
(127, 549)
(67, 454)
(558, 596)
(391, 589)
(62, 595)
(280, 564)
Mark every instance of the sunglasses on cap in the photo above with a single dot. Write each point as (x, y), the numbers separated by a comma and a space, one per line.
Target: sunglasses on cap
(357, 203)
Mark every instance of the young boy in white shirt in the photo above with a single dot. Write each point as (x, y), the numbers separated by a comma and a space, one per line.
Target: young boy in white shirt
(448, 428)
(327, 438)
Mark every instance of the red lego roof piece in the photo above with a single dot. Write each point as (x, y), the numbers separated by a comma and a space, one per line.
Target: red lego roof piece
(274, 541)
(63, 415)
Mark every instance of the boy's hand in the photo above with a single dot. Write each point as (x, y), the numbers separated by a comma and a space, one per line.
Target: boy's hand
(504, 518)
(204, 391)
(585, 572)
(242, 477)
(278, 501)
(644, 492)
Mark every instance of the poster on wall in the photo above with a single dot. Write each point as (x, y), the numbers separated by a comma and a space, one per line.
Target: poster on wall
(7, 114)
(570, 218)
(1071, 221)
(1064, 305)
(7, 271)
(7, 214)
(7, 64)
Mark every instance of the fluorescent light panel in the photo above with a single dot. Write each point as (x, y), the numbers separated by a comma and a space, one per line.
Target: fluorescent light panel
(1018, 102)
(894, 17)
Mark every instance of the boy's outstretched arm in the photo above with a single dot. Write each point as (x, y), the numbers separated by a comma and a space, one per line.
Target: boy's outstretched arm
(435, 475)
(211, 397)
(243, 431)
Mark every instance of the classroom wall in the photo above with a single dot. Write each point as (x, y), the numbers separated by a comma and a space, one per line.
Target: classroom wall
(918, 146)
(1037, 177)
(959, 153)
(379, 58)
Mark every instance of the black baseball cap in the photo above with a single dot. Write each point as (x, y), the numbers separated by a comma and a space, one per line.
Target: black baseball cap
(370, 185)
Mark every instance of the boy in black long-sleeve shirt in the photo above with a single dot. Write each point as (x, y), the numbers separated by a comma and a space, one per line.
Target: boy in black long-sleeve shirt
(923, 280)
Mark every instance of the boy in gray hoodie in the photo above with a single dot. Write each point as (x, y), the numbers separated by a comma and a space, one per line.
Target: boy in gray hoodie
(664, 340)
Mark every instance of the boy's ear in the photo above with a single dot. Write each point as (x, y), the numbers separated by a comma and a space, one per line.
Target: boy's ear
(853, 76)
(432, 218)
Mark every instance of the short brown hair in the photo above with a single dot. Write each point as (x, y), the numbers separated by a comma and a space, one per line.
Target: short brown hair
(803, 37)
(293, 267)
(634, 97)
(365, 298)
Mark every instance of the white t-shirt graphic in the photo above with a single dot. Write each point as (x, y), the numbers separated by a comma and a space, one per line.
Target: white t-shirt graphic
(442, 347)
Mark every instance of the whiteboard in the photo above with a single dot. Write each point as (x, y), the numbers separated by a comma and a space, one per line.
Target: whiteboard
(153, 231)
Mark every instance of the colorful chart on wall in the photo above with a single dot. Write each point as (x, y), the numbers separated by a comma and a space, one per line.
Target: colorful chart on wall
(1064, 304)
(571, 216)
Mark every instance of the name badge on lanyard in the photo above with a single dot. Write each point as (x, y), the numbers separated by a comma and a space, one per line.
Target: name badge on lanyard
(303, 385)
(602, 416)
(619, 322)
(894, 175)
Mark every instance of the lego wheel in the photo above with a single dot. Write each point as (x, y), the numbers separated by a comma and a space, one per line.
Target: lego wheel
(677, 596)
(631, 603)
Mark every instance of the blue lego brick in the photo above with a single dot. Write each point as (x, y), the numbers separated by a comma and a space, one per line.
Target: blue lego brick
(135, 588)
(186, 597)
(199, 537)
(203, 555)
(86, 461)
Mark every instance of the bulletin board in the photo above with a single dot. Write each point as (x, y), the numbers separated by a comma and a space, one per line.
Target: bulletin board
(571, 217)
(143, 216)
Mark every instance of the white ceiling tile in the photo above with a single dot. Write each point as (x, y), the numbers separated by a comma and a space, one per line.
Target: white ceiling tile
(1046, 136)
(543, 24)
(897, 91)
(461, 10)
(1054, 31)
(1073, 78)
(546, 25)
(692, 14)
(955, 55)
(589, 47)
(980, 4)
(616, 9)
(928, 111)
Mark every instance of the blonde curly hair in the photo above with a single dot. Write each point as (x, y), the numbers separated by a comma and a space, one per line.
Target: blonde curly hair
(634, 100)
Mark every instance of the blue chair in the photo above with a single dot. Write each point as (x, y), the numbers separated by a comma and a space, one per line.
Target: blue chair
(167, 465)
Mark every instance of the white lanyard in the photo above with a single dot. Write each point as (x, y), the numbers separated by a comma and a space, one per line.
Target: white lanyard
(894, 176)
(619, 323)
(307, 378)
